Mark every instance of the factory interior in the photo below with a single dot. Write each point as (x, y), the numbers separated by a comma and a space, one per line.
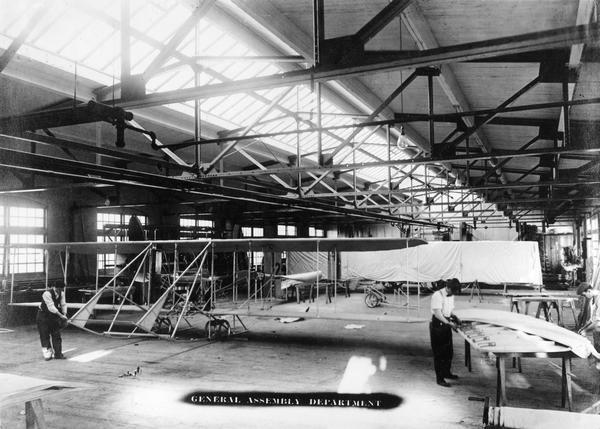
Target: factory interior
(248, 213)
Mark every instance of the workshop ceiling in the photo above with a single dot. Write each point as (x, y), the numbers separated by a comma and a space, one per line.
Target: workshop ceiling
(224, 100)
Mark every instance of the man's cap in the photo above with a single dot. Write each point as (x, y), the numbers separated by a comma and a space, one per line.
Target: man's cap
(454, 285)
(583, 286)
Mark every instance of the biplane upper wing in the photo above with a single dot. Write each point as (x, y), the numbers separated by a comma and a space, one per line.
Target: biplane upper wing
(236, 245)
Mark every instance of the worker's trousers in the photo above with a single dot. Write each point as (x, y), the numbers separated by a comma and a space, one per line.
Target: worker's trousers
(49, 329)
(441, 345)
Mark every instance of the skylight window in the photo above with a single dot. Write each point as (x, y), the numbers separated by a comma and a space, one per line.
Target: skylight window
(83, 36)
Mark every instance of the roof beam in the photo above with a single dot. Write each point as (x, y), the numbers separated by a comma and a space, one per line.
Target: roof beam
(491, 116)
(104, 174)
(510, 185)
(430, 57)
(560, 55)
(122, 154)
(379, 21)
(413, 161)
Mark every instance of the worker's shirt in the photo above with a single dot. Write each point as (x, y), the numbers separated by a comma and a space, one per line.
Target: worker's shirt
(53, 303)
(440, 300)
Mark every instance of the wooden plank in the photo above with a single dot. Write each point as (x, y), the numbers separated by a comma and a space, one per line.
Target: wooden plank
(509, 417)
(16, 389)
(34, 415)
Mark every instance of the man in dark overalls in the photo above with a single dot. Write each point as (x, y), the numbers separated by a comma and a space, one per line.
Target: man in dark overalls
(51, 318)
(440, 330)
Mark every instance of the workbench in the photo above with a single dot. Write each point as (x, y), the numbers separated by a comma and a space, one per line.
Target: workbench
(504, 343)
(546, 303)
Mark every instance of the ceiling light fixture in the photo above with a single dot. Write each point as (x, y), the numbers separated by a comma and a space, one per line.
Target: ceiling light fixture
(402, 142)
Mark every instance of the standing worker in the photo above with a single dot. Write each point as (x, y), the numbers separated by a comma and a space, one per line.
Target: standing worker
(440, 330)
(51, 318)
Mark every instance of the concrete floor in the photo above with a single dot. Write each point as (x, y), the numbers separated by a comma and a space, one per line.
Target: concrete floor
(306, 356)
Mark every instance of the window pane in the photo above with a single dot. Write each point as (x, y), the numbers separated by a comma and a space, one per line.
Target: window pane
(26, 260)
(1, 253)
(191, 228)
(26, 216)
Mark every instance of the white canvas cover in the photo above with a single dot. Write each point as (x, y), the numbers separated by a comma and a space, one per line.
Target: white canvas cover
(493, 262)
(304, 262)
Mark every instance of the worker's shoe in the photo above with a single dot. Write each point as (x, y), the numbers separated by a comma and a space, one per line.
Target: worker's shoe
(444, 383)
(47, 353)
(451, 376)
(60, 356)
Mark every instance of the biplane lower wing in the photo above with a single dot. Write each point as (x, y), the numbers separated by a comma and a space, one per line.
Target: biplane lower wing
(313, 314)
(78, 305)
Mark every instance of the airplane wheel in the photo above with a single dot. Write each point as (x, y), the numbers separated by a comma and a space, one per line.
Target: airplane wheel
(217, 329)
(163, 323)
(371, 300)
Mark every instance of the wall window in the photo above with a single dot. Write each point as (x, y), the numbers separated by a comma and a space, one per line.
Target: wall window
(22, 225)
(191, 228)
(594, 234)
(315, 232)
(112, 227)
(253, 231)
(26, 260)
(26, 216)
(286, 230)
(2, 253)
(256, 259)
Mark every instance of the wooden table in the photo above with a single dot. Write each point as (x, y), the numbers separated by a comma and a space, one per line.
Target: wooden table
(506, 343)
(546, 303)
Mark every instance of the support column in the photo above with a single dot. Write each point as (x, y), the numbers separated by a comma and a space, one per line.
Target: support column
(500, 381)
(567, 392)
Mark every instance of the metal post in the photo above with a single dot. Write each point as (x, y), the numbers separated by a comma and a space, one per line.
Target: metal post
(334, 277)
(431, 122)
(565, 94)
(298, 151)
(125, 46)
(249, 271)
(317, 278)
(213, 292)
(66, 271)
(47, 260)
(318, 29)
(389, 155)
(97, 274)
(272, 284)
(197, 108)
(234, 276)
(115, 274)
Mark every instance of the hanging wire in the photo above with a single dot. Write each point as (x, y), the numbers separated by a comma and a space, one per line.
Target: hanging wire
(75, 86)
(401, 74)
